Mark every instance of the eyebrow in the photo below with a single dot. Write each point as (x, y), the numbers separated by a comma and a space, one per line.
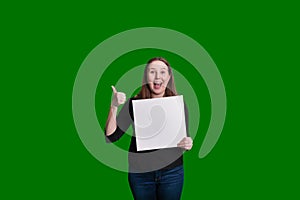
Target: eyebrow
(165, 68)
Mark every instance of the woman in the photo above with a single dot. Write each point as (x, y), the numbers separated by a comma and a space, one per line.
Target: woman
(153, 174)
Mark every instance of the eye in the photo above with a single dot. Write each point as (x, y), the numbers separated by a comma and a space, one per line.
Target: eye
(151, 72)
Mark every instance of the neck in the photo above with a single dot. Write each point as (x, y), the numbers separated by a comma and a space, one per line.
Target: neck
(157, 95)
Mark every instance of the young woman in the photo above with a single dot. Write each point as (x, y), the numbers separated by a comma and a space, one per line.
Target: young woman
(153, 174)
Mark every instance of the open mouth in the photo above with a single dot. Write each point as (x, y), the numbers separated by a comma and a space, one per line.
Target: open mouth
(157, 85)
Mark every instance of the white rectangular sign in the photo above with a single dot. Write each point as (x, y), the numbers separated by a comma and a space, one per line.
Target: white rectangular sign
(159, 122)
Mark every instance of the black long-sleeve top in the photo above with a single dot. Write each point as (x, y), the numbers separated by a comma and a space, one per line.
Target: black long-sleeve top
(149, 160)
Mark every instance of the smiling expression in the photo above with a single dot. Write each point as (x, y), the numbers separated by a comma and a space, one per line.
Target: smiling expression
(158, 77)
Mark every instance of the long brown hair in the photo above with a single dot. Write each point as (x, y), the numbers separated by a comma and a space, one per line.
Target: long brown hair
(145, 92)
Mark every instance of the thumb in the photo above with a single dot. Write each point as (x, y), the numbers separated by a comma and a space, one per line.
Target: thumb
(114, 89)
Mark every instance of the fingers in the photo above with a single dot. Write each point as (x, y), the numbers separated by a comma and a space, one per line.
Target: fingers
(186, 140)
(186, 143)
(118, 97)
(114, 89)
(121, 97)
(186, 147)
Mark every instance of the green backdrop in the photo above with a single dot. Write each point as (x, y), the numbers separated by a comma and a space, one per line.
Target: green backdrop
(254, 44)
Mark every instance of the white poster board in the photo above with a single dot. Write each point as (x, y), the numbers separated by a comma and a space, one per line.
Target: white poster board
(159, 122)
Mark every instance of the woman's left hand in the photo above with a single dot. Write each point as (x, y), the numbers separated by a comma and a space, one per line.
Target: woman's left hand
(186, 143)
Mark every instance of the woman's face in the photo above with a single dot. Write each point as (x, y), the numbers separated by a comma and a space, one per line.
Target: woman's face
(158, 77)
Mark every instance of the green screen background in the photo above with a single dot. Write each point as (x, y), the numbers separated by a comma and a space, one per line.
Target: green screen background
(254, 44)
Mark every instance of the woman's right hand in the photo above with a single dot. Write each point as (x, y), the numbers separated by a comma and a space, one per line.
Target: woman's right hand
(118, 97)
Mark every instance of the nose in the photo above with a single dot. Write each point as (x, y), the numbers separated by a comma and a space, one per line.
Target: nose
(157, 75)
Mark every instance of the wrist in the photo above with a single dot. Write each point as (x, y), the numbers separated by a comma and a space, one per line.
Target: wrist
(113, 106)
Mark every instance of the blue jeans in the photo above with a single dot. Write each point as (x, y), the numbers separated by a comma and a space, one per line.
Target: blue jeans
(157, 185)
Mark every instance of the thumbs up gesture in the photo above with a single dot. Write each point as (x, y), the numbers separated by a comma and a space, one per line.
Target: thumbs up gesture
(118, 97)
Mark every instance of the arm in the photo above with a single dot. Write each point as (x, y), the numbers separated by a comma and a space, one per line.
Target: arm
(116, 126)
(111, 123)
